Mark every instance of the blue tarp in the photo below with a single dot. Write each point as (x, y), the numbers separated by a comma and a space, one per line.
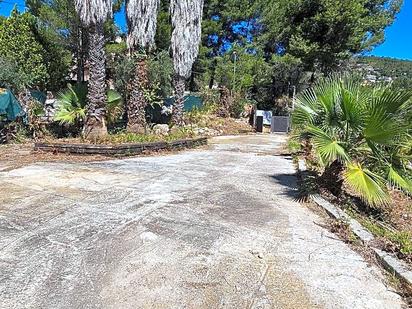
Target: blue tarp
(9, 106)
(191, 102)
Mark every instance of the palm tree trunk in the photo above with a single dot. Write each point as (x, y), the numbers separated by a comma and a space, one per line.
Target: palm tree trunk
(136, 114)
(95, 124)
(179, 102)
(332, 179)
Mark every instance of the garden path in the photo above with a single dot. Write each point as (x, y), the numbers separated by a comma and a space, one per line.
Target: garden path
(208, 228)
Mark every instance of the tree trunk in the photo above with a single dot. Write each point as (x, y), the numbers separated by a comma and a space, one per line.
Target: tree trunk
(213, 74)
(225, 102)
(178, 107)
(81, 52)
(136, 115)
(95, 124)
(332, 178)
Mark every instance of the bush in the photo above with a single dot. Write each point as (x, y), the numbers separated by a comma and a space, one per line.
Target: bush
(360, 135)
(18, 44)
(72, 105)
(10, 76)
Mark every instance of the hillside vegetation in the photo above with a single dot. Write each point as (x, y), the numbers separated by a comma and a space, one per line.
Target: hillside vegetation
(398, 70)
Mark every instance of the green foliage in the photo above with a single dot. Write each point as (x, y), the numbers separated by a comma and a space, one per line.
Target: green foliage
(35, 49)
(18, 45)
(363, 128)
(115, 106)
(237, 107)
(10, 76)
(160, 73)
(323, 32)
(399, 70)
(72, 105)
(196, 115)
(56, 57)
(123, 73)
(249, 70)
(116, 48)
(160, 70)
(402, 239)
(164, 28)
(126, 137)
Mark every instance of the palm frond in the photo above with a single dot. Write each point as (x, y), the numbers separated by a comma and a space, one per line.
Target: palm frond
(71, 104)
(399, 181)
(186, 34)
(303, 115)
(114, 106)
(328, 147)
(141, 18)
(350, 106)
(93, 11)
(380, 127)
(327, 92)
(370, 187)
(391, 100)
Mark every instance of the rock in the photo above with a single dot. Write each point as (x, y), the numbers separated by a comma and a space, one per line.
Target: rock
(161, 129)
(148, 237)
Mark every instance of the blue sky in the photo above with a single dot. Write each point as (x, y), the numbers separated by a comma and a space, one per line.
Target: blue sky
(398, 42)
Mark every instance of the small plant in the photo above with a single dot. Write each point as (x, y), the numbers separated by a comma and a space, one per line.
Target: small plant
(401, 240)
(72, 105)
(127, 137)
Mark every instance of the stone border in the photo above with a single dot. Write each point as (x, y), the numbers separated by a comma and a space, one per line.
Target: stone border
(387, 260)
(123, 149)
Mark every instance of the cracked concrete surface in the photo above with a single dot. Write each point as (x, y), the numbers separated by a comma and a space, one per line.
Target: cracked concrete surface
(211, 228)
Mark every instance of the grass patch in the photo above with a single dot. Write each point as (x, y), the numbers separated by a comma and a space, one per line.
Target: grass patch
(293, 145)
(402, 240)
(126, 137)
(123, 137)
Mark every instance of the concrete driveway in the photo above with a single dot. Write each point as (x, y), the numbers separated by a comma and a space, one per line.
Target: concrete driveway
(211, 228)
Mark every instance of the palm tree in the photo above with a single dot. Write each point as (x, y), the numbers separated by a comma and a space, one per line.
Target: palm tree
(141, 21)
(186, 35)
(71, 108)
(93, 14)
(360, 135)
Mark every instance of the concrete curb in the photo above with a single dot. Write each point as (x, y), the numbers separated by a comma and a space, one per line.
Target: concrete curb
(386, 260)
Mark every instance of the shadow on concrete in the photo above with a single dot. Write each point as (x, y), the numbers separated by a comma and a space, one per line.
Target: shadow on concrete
(289, 184)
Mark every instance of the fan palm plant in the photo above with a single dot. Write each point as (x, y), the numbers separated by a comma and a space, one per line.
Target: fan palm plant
(71, 102)
(71, 108)
(142, 21)
(359, 134)
(186, 35)
(93, 14)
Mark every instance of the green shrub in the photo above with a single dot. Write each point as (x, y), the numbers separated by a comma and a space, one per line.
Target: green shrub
(358, 133)
(19, 45)
(72, 105)
(10, 76)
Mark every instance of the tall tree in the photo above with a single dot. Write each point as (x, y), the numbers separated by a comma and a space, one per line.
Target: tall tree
(19, 46)
(93, 14)
(186, 36)
(61, 25)
(141, 21)
(323, 32)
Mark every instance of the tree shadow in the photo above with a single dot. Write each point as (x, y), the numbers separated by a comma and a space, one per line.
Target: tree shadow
(288, 183)
(298, 186)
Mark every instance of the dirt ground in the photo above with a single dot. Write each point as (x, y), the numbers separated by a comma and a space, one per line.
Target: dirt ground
(13, 156)
(399, 212)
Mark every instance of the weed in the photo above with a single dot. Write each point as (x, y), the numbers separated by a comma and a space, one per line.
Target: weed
(402, 240)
